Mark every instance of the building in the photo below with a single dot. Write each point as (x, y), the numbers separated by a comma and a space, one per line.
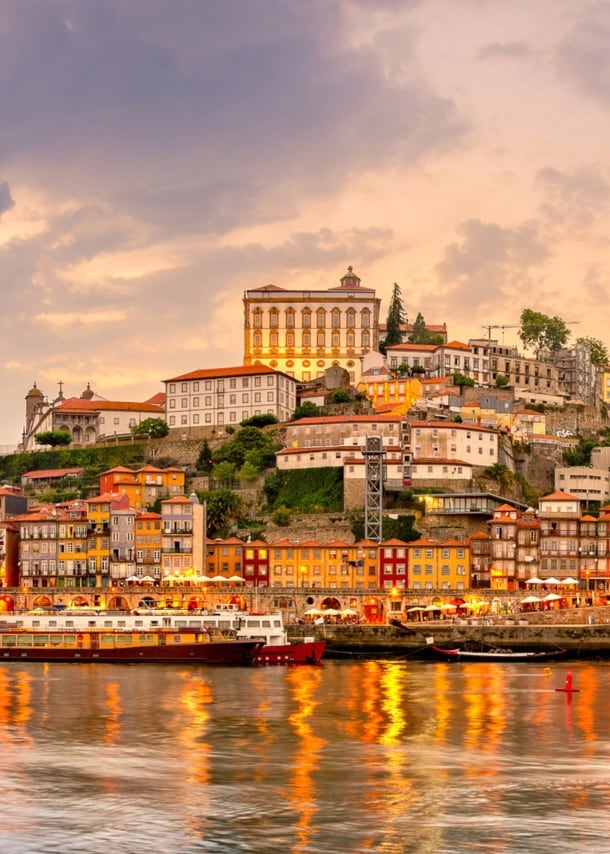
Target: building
(144, 485)
(303, 332)
(438, 565)
(183, 542)
(49, 478)
(585, 482)
(88, 418)
(219, 397)
(451, 442)
(148, 543)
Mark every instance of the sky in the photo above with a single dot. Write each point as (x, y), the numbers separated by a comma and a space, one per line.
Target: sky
(158, 158)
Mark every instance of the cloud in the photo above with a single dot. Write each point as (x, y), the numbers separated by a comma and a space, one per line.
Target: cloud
(574, 200)
(504, 50)
(6, 200)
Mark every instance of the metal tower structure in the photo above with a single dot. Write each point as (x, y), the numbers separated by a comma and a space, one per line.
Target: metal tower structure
(373, 455)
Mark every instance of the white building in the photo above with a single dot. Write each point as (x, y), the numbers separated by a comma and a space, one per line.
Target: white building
(584, 482)
(453, 443)
(216, 397)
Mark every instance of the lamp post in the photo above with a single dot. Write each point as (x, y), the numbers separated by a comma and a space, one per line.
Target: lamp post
(303, 571)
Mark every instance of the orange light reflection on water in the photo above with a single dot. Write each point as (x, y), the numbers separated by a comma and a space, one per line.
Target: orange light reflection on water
(304, 683)
(112, 730)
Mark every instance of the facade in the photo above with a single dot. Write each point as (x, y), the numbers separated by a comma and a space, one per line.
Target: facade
(389, 391)
(183, 543)
(304, 332)
(148, 542)
(451, 441)
(586, 482)
(443, 565)
(88, 418)
(219, 397)
(48, 478)
(144, 485)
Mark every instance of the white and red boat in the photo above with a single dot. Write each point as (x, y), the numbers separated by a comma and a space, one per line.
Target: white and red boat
(268, 629)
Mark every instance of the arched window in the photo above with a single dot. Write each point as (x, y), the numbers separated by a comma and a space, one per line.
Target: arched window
(273, 318)
(350, 318)
(366, 339)
(321, 318)
(257, 318)
(307, 339)
(365, 317)
(321, 339)
(273, 339)
(350, 339)
(290, 339)
(306, 318)
(258, 339)
(336, 339)
(335, 318)
(289, 318)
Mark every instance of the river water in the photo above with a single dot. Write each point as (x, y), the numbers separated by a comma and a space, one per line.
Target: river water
(368, 756)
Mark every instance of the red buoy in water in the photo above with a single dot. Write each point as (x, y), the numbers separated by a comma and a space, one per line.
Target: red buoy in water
(568, 686)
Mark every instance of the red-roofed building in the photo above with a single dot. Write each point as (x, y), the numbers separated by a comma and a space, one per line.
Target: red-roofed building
(88, 418)
(219, 397)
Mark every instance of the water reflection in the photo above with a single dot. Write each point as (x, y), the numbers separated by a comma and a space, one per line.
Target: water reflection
(370, 756)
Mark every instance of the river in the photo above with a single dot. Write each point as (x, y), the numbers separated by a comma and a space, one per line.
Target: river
(368, 756)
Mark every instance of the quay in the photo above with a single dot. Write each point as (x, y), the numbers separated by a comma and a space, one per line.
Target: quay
(582, 632)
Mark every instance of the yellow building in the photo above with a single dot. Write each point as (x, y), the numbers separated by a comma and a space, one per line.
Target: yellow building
(443, 565)
(148, 544)
(98, 543)
(386, 390)
(304, 332)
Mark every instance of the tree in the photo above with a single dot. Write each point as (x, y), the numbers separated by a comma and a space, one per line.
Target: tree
(223, 507)
(501, 380)
(154, 428)
(341, 395)
(54, 438)
(204, 460)
(462, 380)
(597, 351)
(238, 450)
(539, 331)
(224, 472)
(306, 410)
(395, 321)
(259, 420)
(420, 334)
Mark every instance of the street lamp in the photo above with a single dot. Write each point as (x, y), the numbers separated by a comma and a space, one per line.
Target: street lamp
(303, 570)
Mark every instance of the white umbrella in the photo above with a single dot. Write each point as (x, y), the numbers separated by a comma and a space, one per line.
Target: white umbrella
(133, 578)
(415, 608)
(330, 612)
(534, 580)
(201, 579)
(349, 612)
(551, 597)
(432, 608)
(217, 579)
(235, 578)
(312, 612)
(147, 578)
(530, 600)
(569, 581)
(551, 580)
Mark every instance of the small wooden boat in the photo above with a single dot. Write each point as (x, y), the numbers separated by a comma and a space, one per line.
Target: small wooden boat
(497, 654)
(128, 646)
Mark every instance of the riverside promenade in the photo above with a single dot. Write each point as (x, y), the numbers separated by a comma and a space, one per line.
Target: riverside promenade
(583, 632)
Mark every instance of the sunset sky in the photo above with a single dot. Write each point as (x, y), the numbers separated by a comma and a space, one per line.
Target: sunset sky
(158, 157)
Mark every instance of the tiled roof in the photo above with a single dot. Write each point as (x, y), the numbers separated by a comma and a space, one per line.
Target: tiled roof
(43, 474)
(236, 371)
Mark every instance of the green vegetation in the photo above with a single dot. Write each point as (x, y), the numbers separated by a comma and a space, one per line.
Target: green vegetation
(341, 395)
(400, 528)
(95, 460)
(306, 410)
(54, 438)
(539, 331)
(501, 380)
(421, 335)
(281, 517)
(305, 491)
(597, 350)
(249, 445)
(224, 508)
(394, 321)
(259, 420)
(154, 428)
(462, 380)
(204, 461)
(500, 473)
(581, 455)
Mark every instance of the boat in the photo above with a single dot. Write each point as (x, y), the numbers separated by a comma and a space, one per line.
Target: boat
(266, 632)
(497, 654)
(98, 644)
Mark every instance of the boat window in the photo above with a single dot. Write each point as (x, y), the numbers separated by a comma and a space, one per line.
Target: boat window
(56, 640)
(41, 640)
(24, 640)
(9, 640)
(69, 638)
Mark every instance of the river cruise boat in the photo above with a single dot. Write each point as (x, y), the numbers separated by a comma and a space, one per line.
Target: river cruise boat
(267, 631)
(99, 644)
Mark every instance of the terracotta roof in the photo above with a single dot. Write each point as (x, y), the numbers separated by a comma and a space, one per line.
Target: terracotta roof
(236, 371)
(410, 347)
(347, 419)
(43, 474)
(559, 495)
(79, 404)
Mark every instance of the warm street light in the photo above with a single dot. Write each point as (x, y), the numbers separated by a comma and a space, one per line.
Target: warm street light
(303, 570)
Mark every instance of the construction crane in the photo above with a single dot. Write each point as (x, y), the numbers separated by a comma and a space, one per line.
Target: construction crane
(503, 326)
